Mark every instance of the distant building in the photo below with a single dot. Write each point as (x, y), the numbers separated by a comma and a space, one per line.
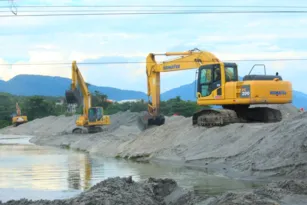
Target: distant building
(60, 102)
(110, 101)
(130, 100)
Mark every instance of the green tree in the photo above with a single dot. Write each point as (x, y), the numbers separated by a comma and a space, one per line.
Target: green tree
(38, 107)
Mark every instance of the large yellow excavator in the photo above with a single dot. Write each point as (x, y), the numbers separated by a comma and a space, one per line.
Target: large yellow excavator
(18, 119)
(92, 119)
(217, 84)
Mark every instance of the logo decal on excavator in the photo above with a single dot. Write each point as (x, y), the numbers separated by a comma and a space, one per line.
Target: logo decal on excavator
(280, 92)
(245, 91)
(166, 67)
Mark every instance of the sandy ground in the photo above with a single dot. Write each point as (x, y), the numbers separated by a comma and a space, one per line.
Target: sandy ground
(239, 150)
(166, 192)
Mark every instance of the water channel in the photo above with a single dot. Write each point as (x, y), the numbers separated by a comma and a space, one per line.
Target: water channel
(41, 172)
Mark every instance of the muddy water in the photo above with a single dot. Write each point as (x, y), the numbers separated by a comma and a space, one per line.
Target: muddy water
(35, 172)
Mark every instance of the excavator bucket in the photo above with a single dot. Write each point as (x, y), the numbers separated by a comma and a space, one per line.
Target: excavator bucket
(145, 120)
(73, 97)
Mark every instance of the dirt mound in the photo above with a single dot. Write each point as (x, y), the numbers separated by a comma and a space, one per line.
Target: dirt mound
(256, 149)
(288, 192)
(51, 125)
(124, 191)
(56, 125)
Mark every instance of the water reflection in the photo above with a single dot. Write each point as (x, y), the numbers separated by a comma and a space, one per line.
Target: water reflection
(79, 172)
(25, 166)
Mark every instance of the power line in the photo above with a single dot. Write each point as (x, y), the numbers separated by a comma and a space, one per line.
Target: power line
(157, 13)
(117, 11)
(151, 6)
(100, 10)
(140, 62)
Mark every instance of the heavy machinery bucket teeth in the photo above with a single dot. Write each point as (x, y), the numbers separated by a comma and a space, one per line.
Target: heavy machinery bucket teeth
(145, 120)
(214, 117)
(263, 114)
(73, 97)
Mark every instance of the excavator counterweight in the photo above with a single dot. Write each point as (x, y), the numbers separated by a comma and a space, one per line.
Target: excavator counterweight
(218, 84)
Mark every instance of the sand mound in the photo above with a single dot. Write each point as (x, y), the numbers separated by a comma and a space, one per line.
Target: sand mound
(258, 149)
(124, 191)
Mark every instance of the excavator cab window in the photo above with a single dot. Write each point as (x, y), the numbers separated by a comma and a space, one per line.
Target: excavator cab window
(231, 72)
(92, 114)
(95, 114)
(205, 80)
(209, 79)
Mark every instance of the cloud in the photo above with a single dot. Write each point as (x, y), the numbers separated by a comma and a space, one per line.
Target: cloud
(131, 38)
(35, 57)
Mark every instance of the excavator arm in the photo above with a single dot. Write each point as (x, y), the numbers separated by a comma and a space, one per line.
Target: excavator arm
(18, 112)
(73, 95)
(187, 60)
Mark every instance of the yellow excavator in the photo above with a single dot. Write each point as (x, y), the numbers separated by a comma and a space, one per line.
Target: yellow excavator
(92, 119)
(217, 84)
(18, 119)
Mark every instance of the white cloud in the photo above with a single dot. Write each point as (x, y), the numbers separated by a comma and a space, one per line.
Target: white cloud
(229, 37)
(9, 71)
(46, 46)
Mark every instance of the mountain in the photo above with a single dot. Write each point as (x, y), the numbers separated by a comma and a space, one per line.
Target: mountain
(300, 100)
(55, 86)
(2, 83)
(187, 92)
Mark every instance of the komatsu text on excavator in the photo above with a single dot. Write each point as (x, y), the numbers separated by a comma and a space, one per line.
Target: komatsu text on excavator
(92, 118)
(217, 84)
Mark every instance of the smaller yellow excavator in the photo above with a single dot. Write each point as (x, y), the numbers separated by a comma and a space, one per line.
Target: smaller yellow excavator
(92, 119)
(18, 119)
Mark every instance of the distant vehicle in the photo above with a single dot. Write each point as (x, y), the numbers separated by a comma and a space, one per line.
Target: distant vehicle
(17, 118)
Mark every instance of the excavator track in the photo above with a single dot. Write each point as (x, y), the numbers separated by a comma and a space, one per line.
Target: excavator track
(88, 130)
(243, 114)
(214, 117)
(263, 114)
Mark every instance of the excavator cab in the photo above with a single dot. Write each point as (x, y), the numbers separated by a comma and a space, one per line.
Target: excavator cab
(210, 78)
(95, 114)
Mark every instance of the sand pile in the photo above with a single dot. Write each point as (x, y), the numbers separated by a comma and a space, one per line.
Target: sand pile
(125, 191)
(253, 149)
(52, 125)
(287, 192)
(166, 192)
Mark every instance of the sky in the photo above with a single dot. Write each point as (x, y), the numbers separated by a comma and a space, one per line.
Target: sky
(126, 38)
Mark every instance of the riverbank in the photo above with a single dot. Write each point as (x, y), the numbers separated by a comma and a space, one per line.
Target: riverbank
(166, 192)
(239, 150)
